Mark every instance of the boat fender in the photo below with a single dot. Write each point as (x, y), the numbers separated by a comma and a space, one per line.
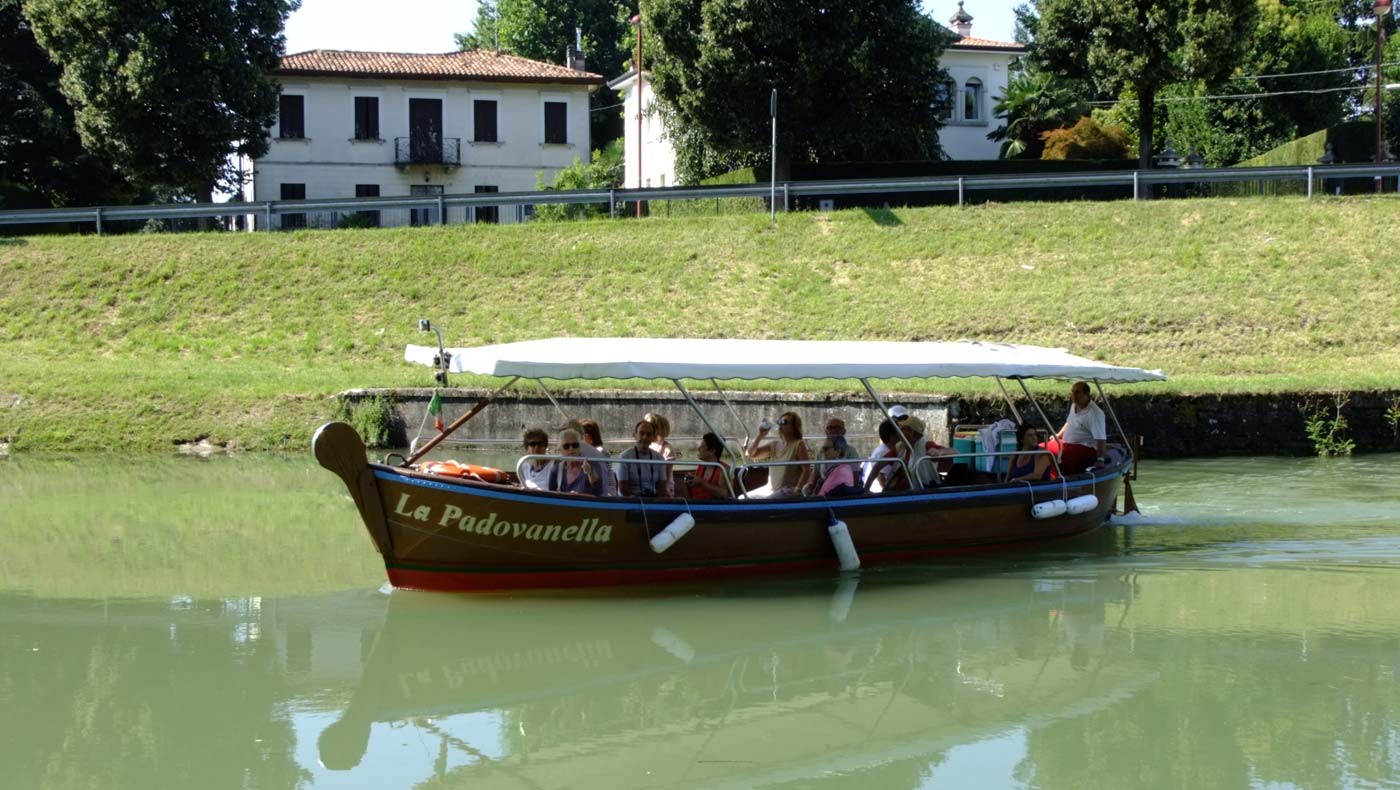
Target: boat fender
(673, 532)
(1050, 509)
(1081, 504)
(845, 547)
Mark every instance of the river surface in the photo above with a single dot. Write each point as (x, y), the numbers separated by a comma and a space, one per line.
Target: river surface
(221, 623)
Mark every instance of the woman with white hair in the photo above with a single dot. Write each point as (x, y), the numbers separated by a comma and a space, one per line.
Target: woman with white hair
(576, 477)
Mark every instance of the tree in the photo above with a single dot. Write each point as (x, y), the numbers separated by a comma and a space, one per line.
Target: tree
(855, 82)
(1033, 103)
(167, 91)
(42, 163)
(604, 171)
(543, 29)
(1143, 45)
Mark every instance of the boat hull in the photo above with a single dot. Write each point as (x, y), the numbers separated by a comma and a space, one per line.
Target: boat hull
(440, 534)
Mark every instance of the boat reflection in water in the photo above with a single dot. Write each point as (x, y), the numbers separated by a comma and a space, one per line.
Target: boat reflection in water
(632, 691)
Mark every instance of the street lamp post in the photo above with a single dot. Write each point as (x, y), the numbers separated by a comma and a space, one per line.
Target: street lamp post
(637, 22)
(1382, 8)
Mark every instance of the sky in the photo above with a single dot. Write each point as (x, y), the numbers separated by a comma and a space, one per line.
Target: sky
(428, 25)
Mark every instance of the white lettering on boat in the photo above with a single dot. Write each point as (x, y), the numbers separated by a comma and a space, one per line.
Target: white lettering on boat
(589, 531)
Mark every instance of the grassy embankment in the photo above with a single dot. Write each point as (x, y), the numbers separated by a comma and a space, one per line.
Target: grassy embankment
(146, 341)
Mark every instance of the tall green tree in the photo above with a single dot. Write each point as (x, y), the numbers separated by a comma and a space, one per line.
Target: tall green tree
(42, 162)
(1143, 45)
(544, 29)
(856, 81)
(167, 90)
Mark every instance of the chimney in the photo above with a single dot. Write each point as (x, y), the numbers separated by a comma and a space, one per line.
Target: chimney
(574, 57)
(961, 21)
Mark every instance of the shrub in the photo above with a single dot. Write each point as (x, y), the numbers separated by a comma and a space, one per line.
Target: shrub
(1087, 139)
(603, 172)
(1327, 429)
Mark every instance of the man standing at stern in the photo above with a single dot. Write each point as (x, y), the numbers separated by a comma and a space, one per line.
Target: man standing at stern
(1084, 437)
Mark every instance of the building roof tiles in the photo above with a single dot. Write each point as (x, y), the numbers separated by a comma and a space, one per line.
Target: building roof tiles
(471, 65)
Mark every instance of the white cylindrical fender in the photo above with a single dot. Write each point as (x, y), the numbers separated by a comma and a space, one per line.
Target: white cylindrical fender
(673, 532)
(1050, 509)
(845, 547)
(1081, 504)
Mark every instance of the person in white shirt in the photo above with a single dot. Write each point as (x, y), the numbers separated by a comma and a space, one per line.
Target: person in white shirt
(1084, 437)
(535, 473)
(897, 413)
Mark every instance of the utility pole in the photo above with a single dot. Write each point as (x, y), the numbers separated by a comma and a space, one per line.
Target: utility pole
(773, 164)
(637, 21)
(1382, 8)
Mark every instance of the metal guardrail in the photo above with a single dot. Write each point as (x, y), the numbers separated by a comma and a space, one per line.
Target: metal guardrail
(1132, 180)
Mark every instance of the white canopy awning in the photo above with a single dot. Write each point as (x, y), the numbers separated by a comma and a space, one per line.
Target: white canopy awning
(656, 358)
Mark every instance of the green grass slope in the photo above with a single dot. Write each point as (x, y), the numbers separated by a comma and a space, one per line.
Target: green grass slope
(144, 341)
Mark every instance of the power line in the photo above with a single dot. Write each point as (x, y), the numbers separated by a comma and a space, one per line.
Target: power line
(1360, 67)
(1259, 95)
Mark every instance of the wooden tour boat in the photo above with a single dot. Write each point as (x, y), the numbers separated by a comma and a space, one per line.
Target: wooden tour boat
(437, 532)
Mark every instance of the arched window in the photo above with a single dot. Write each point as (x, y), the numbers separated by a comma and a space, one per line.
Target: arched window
(972, 100)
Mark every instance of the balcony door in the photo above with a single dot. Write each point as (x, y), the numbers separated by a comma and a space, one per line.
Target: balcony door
(425, 131)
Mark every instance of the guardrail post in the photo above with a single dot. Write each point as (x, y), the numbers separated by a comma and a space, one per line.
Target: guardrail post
(267, 216)
(960, 190)
(1310, 182)
(785, 197)
(98, 214)
(612, 204)
(1136, 193)
(442, 213)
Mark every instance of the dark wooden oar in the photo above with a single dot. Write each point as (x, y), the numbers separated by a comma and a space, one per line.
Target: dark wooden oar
(457, 423)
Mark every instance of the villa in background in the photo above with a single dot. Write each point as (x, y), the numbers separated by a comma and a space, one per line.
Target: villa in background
(977, 70)
(382, 124)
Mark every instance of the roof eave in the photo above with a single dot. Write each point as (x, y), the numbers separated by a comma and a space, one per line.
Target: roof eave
(593, 80)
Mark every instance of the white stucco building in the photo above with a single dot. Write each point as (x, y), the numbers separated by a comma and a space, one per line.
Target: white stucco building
(977, 70)
(380, 124)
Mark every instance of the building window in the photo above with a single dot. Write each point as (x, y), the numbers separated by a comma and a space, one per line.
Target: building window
(368, 191)
(291, 117)
(428, 215)
(972, 100)
(366, 117)
(294, 192)
(491, 214)
(944, 100)
(484, 121)
(556, 123)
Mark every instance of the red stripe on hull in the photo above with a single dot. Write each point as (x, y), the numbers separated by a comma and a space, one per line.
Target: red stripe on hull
(447, 580)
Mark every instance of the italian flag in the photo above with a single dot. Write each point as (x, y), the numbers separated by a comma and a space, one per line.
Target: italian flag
(435, 409)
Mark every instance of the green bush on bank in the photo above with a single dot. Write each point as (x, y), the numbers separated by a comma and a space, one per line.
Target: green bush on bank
(148, 341)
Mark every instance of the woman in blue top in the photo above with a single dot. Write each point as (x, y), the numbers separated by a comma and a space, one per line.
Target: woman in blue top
(1028, 467)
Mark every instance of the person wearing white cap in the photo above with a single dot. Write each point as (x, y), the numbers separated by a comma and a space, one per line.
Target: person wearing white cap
(897, 413)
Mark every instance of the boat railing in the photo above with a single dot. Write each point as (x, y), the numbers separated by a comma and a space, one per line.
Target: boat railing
(608, 461)
(958, 456)
(812, 462)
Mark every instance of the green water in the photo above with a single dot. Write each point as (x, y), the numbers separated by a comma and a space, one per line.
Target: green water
(219, 623)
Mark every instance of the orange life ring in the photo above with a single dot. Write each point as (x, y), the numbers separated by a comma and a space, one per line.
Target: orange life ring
(485, 474)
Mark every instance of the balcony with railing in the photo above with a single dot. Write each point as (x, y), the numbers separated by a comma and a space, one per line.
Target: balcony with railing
(427, 149)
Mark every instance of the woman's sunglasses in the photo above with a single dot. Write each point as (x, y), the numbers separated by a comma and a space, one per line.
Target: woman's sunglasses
(569, 445)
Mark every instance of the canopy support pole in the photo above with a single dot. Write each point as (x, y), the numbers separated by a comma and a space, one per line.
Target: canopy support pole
(1051, 428)
(1126, 441)
(550, 395)
(914, 481)
(733, 412)
(1014, 411)
(704, 419)
(457, 423)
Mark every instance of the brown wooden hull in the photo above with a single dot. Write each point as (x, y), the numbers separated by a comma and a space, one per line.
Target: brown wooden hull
(442, 534)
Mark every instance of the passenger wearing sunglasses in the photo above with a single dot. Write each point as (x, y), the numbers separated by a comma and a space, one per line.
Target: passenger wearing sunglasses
(576, 477)
(535, 473)
(786, 480)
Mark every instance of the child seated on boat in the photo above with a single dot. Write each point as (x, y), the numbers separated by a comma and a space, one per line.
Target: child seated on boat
(535, 474)
(840, 479)
(708, 481)
(576, 477)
